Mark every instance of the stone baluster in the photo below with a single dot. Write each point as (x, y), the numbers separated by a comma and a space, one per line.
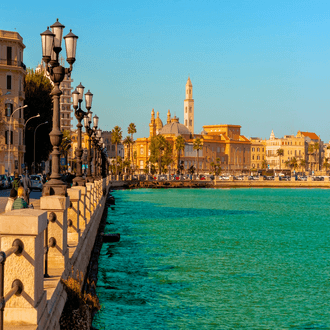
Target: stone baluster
(57, 213)
(89, 201)
(73, 215)
(28, 225)
(82, 208)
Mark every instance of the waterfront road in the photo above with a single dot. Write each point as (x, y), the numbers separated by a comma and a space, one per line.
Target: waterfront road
(34, 199)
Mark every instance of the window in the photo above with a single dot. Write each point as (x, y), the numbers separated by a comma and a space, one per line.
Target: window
(218, 149)
(190, 109)
(258, 149)
(141, 151)
(9, 55)
(113, 147)
(186, 122)
(190, 122)
(252, 157)
(258, 157)
(7, 137)
(253, 149)
(263, 149)
(141, 164)
(186, 109)
(8, 82)
(9, 109)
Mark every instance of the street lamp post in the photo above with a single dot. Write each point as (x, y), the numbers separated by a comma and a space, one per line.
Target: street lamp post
(9, 136)
(80, 114)
(87, 121)
(34, 148)
(36, 116)
(51, 47)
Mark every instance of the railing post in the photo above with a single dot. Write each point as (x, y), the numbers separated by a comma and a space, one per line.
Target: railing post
(89, 196)
(57, 209)
(91, 189)
(74, 225)
(28, 226)
(82, 208)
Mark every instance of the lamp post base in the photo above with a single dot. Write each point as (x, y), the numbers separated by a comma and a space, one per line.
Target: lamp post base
(54, 187)
(79, 181)
(90, 179)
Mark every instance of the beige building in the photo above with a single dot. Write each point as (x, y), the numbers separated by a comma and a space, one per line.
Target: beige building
(295, 146)
(12, 96)
(258, 153)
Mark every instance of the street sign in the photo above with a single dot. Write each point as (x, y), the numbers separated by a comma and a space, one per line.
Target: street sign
(22, 165)
(62, 162)
(83, 167)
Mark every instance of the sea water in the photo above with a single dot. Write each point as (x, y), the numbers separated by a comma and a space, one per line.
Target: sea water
(216, 259)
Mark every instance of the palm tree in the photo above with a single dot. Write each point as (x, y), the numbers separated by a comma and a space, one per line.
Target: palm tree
(131, 130)
(198, 145)
(326, 165)
(280, 153)
(115, 139)
(264, 164)
(157, 145)
(302, 163)
(179, 145)
(311, 151)
(128, 141)
(316, 151)
(293, 163)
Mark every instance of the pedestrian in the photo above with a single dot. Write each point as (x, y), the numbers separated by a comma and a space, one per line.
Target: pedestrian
(11, 199)
(27, 187)
(19, 202)
(16, 182)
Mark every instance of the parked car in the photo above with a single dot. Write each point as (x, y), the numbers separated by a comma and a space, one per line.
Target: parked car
(36, 182)
(5, 183)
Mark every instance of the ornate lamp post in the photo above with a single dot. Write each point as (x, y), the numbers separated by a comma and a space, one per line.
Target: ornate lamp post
(80, 114)
(51, 47)
(89, 131)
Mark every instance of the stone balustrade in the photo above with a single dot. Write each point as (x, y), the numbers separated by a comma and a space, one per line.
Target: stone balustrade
(71, 223)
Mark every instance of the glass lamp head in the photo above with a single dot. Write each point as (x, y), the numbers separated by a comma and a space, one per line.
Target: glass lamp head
(75, 98)
(47, 42)
(71, 47)
(57, 29)
(80, 89)
(88, 99)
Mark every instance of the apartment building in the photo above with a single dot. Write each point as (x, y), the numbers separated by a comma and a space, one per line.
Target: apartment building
(12, 96)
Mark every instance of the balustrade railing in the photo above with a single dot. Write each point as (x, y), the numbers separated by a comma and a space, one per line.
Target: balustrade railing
(17, 286)
(12, 63)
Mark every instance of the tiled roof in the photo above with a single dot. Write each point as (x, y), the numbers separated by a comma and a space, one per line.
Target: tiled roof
(311, 135)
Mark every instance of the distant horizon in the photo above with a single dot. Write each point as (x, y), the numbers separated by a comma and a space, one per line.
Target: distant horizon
(261, 65)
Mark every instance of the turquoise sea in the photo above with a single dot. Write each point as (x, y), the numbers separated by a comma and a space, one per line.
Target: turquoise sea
(216, 259)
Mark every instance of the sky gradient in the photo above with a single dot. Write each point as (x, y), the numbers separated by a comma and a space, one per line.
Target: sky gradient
(260, 64)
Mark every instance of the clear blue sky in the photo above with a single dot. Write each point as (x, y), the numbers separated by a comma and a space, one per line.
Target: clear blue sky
(260, 64)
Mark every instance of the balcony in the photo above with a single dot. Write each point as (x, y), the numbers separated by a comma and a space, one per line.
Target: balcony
(13, 63)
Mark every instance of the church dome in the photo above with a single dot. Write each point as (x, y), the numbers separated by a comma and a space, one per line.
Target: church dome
(174, 127)
(158, 122)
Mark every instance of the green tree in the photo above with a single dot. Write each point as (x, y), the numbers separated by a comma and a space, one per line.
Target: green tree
(198, 145)
(310, 152)
(128, 142)
(316, 155)
(116, 137)
(280, 153)
(37, 90)
(131, 130)
(326, 164)
(160, 151)
(264, 164)
(293, 164)
(179, 146)
(302, 164)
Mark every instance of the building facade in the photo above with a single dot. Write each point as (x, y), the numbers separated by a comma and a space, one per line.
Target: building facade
(12, 96)
(258, 153)
(220, 144)
(305, 147)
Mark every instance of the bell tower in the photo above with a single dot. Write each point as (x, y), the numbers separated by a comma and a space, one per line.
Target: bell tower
(189, 107)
